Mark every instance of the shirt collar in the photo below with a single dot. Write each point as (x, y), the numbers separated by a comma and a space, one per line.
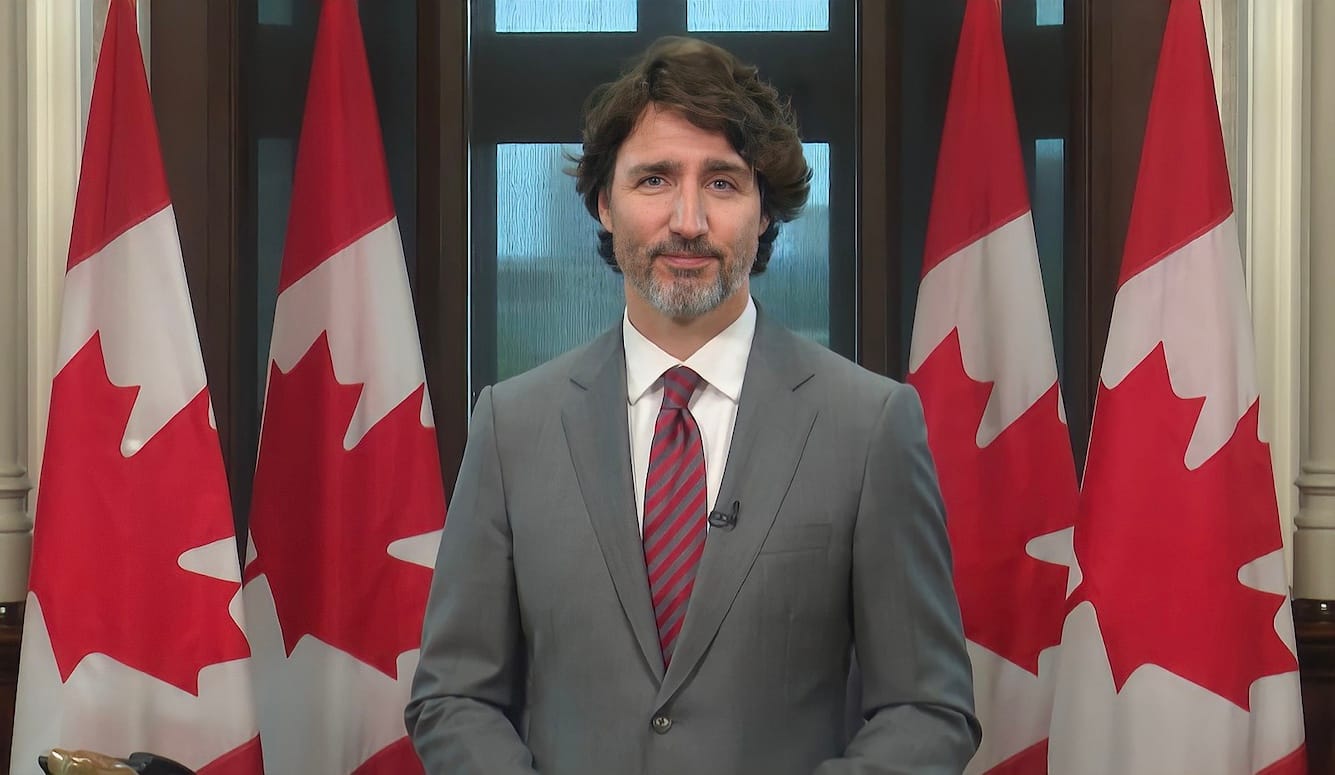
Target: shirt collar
(721, 361)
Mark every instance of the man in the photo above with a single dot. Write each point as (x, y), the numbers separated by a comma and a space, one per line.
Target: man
(664, 548)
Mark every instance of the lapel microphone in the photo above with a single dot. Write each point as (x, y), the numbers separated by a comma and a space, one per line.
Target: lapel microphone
(725, 520)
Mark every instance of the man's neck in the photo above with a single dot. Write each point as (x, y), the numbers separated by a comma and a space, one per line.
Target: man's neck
(682, 337)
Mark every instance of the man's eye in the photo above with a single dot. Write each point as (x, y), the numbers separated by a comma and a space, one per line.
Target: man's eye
(653, 181)
(721, 185)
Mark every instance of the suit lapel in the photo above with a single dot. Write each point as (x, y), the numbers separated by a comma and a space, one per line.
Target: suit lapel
(772, 427)
(594, 418)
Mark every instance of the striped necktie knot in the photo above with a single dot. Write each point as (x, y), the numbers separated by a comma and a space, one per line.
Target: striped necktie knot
(679, 384)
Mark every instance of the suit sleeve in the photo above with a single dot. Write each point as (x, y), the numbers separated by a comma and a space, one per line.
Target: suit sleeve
(917, 685)
(467, 693)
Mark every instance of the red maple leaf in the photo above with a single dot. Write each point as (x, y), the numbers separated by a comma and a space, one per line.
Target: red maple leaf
(110, 530)
(397, 758)
(998, 498)
(245, 759)
(323, 517)
(1160, 546)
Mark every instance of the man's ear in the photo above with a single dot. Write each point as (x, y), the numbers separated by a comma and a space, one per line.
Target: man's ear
(604, 210)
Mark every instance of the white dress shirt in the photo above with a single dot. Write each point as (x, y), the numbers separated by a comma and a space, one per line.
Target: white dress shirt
(722, 364)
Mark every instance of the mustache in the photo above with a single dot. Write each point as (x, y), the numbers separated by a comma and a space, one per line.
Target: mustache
(694, 247)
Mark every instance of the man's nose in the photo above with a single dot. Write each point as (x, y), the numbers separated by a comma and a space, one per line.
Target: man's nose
(688, 214)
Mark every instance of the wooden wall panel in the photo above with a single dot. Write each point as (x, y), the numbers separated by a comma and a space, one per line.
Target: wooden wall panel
(1123, 40)
(195, 80)
(441, 293)
(1315, 624)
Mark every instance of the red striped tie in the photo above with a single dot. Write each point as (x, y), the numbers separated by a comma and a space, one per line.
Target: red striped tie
(674, 506)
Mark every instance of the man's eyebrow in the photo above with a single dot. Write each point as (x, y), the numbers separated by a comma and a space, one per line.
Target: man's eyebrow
(724, 165)
(666, 166)
(654, 168)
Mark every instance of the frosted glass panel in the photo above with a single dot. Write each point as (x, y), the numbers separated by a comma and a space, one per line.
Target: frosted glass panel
(757, 15)
(276, 159)
(795, 289)
(1049, 13)
(274, 11)
(553, 290)
(1050, 227)
(565, 16)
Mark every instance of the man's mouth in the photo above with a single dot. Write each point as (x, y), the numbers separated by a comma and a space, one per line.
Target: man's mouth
(685, 260)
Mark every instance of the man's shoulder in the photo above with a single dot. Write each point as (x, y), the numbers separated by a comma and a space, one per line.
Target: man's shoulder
(545, 378)
(851, 398)
(833, 373)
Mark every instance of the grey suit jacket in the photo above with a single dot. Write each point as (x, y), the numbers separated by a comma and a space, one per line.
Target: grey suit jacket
(539, 648)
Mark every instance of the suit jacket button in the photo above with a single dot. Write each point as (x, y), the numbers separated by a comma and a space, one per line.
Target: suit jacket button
(661, 724)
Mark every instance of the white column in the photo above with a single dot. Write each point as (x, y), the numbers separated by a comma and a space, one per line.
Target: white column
(1314, 543)
(15, 528)
(56, 80)
(1272, 203)
(1223, 20)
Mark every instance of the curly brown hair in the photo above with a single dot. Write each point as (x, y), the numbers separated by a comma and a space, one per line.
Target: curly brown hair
(714, 91)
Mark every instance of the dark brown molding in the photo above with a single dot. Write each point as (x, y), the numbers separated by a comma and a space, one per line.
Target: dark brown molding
(1314, 624)
(11, 637)
(195, 77)
(878, 184)
(1081, 379)
(11, 614)
(1123, 52)
(441, 294)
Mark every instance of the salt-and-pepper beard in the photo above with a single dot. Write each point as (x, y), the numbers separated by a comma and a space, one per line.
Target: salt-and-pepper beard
(682, 300)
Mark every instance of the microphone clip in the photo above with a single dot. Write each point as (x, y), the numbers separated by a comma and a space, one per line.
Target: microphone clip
(725, 520)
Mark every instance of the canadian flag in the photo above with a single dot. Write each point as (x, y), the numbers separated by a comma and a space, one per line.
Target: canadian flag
(348, 501)
(982, 358)
(1178, 650)
(133, 636)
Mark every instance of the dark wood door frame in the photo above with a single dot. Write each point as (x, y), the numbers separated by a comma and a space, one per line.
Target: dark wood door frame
(197, 72)
(442, 221)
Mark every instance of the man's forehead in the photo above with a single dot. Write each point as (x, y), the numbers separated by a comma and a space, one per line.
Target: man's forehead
(666, 136)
